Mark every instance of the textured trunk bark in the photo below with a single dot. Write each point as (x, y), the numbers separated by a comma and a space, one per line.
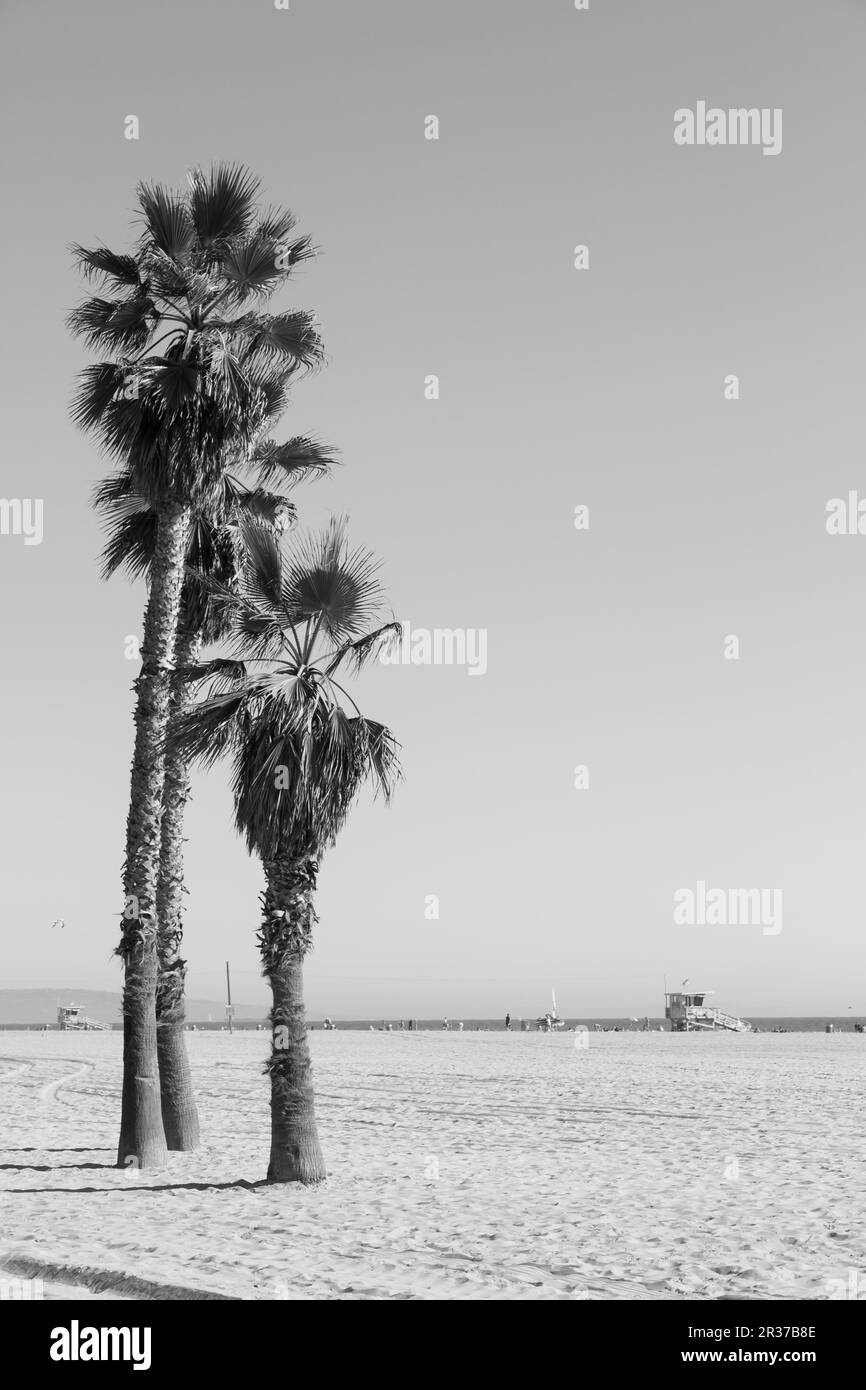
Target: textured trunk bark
(142, 1138)
(284, 938)
(179, 1115)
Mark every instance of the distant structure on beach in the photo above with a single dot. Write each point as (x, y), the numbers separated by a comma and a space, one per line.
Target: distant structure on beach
(688, 1013)
(71, 1019)
(550, 1022)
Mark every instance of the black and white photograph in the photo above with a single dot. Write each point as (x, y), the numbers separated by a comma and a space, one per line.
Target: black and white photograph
(433, 560)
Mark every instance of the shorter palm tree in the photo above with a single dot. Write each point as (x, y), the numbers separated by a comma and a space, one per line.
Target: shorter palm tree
(301, 751)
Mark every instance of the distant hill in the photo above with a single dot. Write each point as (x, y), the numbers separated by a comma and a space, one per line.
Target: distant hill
(40, 1006)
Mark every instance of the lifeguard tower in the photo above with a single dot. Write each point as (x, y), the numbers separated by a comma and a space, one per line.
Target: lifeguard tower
(72, 1019)
(688, 1013)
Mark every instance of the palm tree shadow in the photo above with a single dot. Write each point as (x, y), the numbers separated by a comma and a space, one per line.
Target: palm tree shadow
(144, 1188)
(52, 1167)
(44, 1149)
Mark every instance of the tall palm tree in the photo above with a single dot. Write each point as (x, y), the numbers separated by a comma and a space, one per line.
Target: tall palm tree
(195, 370)
(215, 549)
(301, 751)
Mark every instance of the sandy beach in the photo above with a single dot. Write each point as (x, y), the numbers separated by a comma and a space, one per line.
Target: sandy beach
(461, 1166)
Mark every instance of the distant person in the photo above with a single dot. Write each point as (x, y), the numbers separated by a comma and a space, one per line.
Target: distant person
(445, 1024)
(460, 1026)
(508, 1023)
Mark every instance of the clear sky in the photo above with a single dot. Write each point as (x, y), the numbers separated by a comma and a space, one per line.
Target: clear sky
(559, 387)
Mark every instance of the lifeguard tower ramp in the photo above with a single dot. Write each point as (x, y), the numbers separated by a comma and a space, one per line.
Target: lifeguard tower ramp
(688, 1013)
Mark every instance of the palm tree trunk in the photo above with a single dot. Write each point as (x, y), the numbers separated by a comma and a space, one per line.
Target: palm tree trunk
(142, 1137)
(179, 1114)
(284, 938)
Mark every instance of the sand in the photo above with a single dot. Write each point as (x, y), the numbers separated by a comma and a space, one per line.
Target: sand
(461, 1166)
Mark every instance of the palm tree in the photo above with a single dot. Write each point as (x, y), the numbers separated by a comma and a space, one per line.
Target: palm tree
(215, 549)
(193, 376)
(301, 751)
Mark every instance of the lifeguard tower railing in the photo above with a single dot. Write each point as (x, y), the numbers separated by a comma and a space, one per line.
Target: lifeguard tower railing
(72, 1019)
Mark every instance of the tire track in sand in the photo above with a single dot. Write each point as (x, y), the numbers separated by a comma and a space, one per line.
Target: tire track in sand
(51, 1089)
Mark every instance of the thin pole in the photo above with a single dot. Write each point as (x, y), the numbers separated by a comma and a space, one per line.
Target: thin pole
(229, 993)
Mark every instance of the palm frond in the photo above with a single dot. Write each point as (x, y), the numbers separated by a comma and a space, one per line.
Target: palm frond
(166, 277)
(380, 752)
(292, 335)
(177, 381)
(258, 626)
(206, 730)
(251, 266)
(219, 670)
(105, 323)
(270, 509)
(131, 543)
(277, 224)
(99, 384)
(291, 253)
(297, 459)
(102, 262)
(117, 487)
(326, 580)
(273, 394)
(264, 571)
(167, 220)
(367, 648)
(222, 202)
(231, 379)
